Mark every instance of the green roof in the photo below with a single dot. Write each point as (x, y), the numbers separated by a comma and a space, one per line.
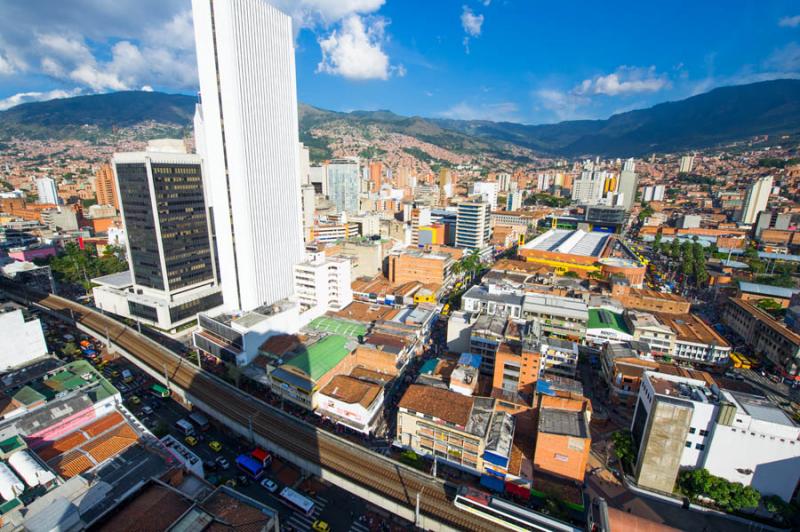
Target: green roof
(605, 319)
(11, 444)
(339, 327)
(321, 357)
(70, 377)
(28, 396)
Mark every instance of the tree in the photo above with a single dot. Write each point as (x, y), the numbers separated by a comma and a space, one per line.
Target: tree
(624, 447)
(70, 349)
(675, 248)
(730, 496)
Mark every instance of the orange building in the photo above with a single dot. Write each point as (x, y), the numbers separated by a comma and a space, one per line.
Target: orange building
(101, 225)
(19, 208)
(376, 175)
(104, 187)
(650, 300)
(516, 371)
(419, 266)
(563, 440)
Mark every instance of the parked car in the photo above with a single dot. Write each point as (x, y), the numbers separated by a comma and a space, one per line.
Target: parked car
(321, 526)
(215, 446)
(191, 441)
(223, 462)
(269, 485)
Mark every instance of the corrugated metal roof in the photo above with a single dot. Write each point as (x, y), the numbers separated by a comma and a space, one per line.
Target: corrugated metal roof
(767, 290)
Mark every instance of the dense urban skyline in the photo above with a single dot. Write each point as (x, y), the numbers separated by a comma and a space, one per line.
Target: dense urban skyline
(500, 60)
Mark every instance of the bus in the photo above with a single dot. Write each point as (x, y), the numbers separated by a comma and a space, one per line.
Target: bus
(159, 391)
(295, 500)
(506, 514)
(200, 420)
(250, 466)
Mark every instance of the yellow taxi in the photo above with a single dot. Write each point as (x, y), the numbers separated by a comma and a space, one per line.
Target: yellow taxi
(191, 441)
(135, 400)
(215, 445)
(321, 526)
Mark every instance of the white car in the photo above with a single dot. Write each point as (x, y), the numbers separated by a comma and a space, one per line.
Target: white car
(269, 485)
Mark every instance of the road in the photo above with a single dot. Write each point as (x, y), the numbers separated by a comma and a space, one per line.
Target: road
(372, 471)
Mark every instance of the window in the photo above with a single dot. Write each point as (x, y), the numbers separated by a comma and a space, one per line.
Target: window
(691, 430)
(699, 446)
(688, 444)
(704, 433)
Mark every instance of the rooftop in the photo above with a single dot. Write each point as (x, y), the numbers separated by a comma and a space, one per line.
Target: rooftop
(761, 409)
(338, 326)
(486, 294)
(364, 312)
(690, 328)
(767, 290)
(605, 319)
(564, 422)
(444, 404)
(578, 242)
(118, 280)
(351, 390)
(321, 357)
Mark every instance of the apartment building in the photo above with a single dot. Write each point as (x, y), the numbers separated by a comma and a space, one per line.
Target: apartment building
(764, 334)
(558, 357)
(559, 316)
(648, 300)
(645, 327)
(467, 432)
(695, 340)
(516, 372)
(493, 299)
(473, 225)
(322, 284)
(352, 402)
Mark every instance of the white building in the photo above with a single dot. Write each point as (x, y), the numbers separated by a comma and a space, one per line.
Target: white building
(23, 341)
(309, 208)
(588, 189)
(686, 164)
(352, 402)
(504, 181)
(682, 422)
(487, 190)
(756, 199)
(494, 300)
(559, 357)
(246, 68)
(47, 191)
(628, 184)
(653, 193)
(514, 201)
(322, 284)
(473, 224)
(344, 183)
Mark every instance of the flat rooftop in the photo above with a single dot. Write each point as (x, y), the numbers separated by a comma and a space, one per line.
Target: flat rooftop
(690, 328)
(578, 242)
(762, 409)
(564, 422)
(118, 280)
(321, 357)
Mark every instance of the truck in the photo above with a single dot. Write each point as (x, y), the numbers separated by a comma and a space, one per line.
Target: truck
(186, 427)
(200, 420)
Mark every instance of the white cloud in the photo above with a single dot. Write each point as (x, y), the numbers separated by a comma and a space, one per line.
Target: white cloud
(563, 105)
(625, 80)
(471, 22)
(785, 59)
(25, 97)
(496, 112)
(354, 51)
(789, 22)
(6, 68)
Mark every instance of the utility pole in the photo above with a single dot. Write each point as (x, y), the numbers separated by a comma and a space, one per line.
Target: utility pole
(435, 462)
(416, 512)
(166, 375)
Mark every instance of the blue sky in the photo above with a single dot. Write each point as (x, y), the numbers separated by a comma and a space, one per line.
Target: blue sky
(518, 60)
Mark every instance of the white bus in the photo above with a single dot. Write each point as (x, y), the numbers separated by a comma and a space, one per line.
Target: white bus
(294, 499)
(185, 426)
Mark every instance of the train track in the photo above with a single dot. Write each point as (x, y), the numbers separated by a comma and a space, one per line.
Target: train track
(370, 470)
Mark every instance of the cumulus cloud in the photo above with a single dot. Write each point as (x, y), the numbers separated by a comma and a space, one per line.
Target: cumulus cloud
(563, 105)
(625, 80)
(355, 51)
(471, 22)
(497, 112)
(789, 22)
(100, 45)
(25, 97)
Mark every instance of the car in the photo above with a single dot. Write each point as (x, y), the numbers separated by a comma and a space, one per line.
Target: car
(231, 482)
(114, 374)
(146, 410)
(191, 441)
(223, 462)
(269, 485)
(135, 400)
(321, 526)
(211, 465)
(215, 446)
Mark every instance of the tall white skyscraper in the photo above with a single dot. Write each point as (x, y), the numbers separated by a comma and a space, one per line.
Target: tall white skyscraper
(472, 224)
(628, 184)
(756, 199)
(588, 189)
(47, 190)
(686, 164)
(488, 190)
(248, 125)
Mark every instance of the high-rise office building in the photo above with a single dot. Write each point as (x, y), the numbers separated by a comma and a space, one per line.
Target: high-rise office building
(756, 199)
(503, 181)
(309, 196)
(487, 190)
(104, 187)
(472, 224)
(686, 164)
(248, 118)
(514, 201)
(47, 191)
(172, 270)
(588, 189)
(628, 184)
(344, 184)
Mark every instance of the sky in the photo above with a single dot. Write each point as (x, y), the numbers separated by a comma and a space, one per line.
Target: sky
(526, 61)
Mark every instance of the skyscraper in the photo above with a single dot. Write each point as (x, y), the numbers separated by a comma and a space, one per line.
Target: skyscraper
(248, 122)
(172, 269)
(375, 175)
(47, 191)
(472, 224)
(344, 184)
(488, 190)
(686, 164)
(628, 184)
(589, 187)
(104, 187)
(756, 199)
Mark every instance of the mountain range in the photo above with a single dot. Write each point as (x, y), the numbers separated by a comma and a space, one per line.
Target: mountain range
(722, 115)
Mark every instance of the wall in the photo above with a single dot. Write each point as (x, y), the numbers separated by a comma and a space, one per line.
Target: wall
(662, 445)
